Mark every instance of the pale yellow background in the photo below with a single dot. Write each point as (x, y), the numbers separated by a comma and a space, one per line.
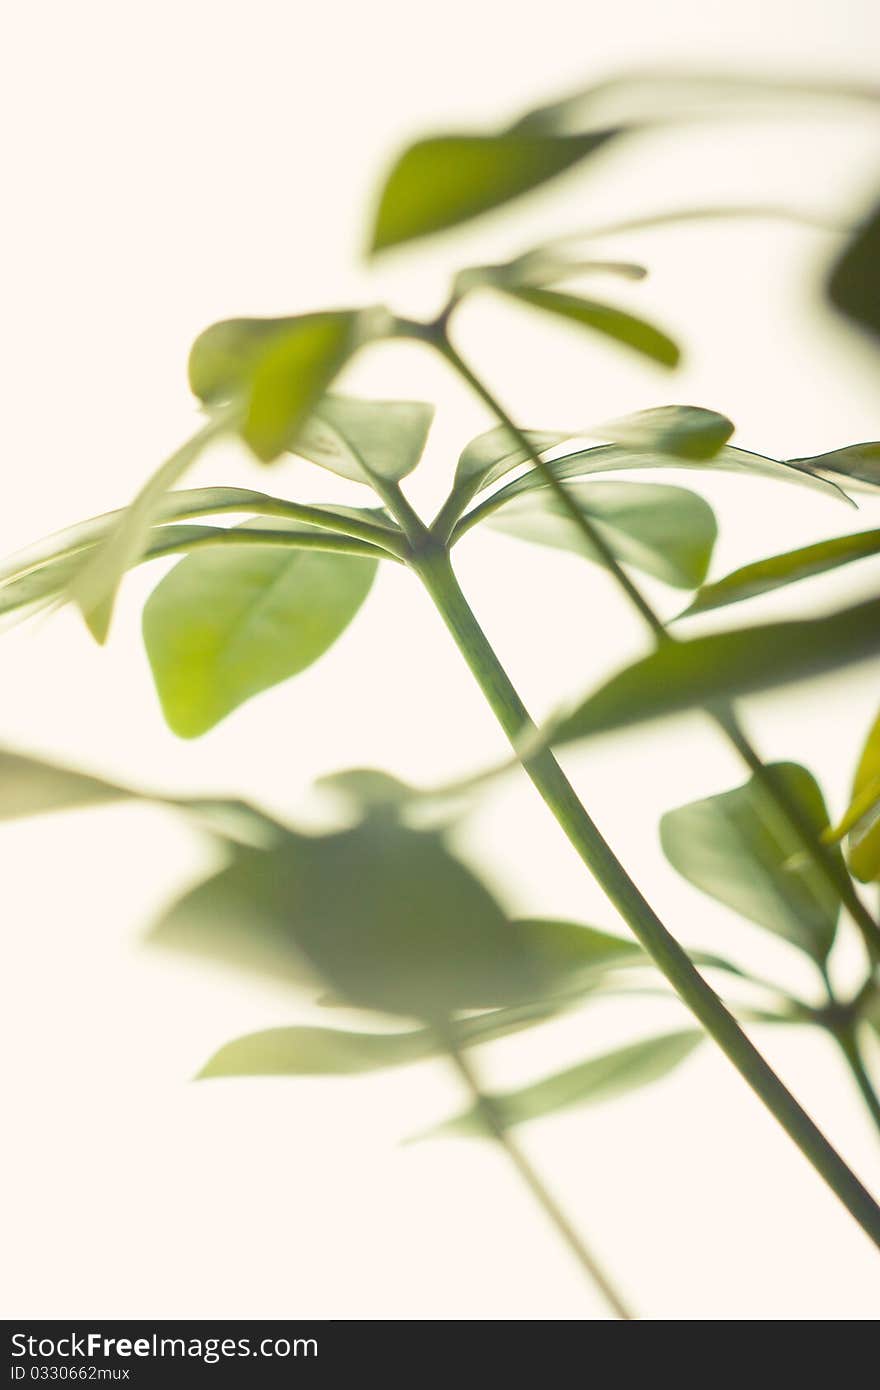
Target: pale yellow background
(171, 164)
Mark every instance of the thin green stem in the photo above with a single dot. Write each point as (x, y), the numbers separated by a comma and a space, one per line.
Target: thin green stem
(437, 575)
(725, 717)
(494, 1123)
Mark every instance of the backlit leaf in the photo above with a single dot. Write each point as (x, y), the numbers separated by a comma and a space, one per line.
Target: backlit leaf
(665, 531)
(359, 438)
(741, 849)
(384, 915)
(763, 576)
(685, 431)
(854, 286)
(226, 624)
(618, 324)
(687, 675)
(445, 180)
(864, 845)
(599, 1079)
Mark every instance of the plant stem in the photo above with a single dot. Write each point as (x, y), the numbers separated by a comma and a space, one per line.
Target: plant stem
(499, 1131)
(724, 716)
(848, 1042)
(435, 571)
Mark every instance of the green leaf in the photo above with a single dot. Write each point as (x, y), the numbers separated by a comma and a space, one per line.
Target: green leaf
(291, 376)
(741, 849)
(685, 431)
(854, 285)
(855, 462)
(613, 458)
(488, 457)
(763, 576)
(542, 265)
(665, 531)
(385, 915)
(864, 845)
(318, 1052)
(334, 1052)
(39, 588)
(688, 675)
(360, 439)
(95, 584)
(599, 1079)
(225, 625)
(623, 327)
(445, 180)
(368, 523)
(33, 787)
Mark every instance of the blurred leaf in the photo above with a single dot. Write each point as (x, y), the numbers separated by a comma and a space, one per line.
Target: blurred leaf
(32, 787)
(383, 914)
(741, 849)
(291, 376)
(643, 97)
(359, 438)
(686, 431)
(445, 180)
(225, 625)
(94, 585)
(665, 531)
(858, 462)
(623, 327)
(765, 575)
(864, 846)
(542, 265)
(318, 1052)
(599, 1079)
(334, 1052)
(854, 285)
(687, 675)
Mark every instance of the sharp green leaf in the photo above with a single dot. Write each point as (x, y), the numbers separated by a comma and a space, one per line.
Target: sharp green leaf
(368, 523)
(445, 180)
(359, 439)
(613, 458)
(685, 431)
(857, 462)
(741, 849)
(599, 1079)
(623, 327)
(488, 457)
(864, 845)
(763, 576)
(385, 915)
(687, 675)
(226, 624)
(854, 286)
(665, 531)
(38, 588)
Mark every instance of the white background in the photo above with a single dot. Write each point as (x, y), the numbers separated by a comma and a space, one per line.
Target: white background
(173, 164)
